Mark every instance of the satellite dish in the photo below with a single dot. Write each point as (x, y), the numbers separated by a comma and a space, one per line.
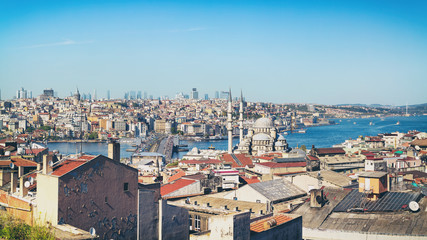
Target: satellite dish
(12, 166)
(92, 231)
(50, 163)
(31, 179)
(414, 206)
(27, 184)
(417, 147)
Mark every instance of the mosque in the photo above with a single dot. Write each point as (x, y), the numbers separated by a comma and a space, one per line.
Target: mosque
(262, 136)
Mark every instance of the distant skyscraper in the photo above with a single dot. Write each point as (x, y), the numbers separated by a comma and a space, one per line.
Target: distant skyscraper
(206, 96)
(224, 94)
(94, 95)
(31, 94)
(48, 92)
(216, 94)
(145, 95)
(108, 94)
(21, 93)
(194, 94)
(139, 95)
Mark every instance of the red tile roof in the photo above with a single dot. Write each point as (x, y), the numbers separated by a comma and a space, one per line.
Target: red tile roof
(172, 187)
(4, 163)
(243, 158)
(70, 164)
(283, 165)
(176, 176)
(258, 226)
(67, 166)
(20, 162)
(312, 158)
(325, 151)
(34, 151)
(250, 180)
(208, 161)
(419, 142)
(18, 140)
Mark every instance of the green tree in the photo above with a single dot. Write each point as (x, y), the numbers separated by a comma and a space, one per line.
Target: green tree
(46, 128)
(93, 135)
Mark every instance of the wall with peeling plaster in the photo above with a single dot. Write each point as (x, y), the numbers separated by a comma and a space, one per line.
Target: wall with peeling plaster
(93, 195)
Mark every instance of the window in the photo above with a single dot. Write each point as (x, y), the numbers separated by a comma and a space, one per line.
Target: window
(258, 201)
(106, 200)
(126, 187)
(190, 222)
(197, 222)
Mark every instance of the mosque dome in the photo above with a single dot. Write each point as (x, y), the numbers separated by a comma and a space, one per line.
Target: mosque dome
(281, 137)
(261, 137)
(263, 123)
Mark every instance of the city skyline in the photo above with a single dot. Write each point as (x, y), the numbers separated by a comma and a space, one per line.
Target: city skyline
(308, 52)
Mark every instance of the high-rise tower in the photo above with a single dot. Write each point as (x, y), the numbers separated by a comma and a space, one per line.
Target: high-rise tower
(241, 117)
(229, 124)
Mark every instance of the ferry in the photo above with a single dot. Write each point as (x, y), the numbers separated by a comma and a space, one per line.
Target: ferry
(217, 137)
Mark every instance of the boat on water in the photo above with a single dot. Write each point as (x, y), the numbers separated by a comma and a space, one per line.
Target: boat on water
(217, 137)
(354, 122)
(398, 123)
(211, 147)
(301, 131)
(371, 123)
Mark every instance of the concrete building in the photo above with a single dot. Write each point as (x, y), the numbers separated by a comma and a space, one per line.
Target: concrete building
(75, 192)
(101, 193)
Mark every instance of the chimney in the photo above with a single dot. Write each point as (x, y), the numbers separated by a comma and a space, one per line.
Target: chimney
(23, 191)
(13, 182)
(237, 209)
(39, 166)
(316, 198)
(114, 150)
(20, 171)
(46, 167)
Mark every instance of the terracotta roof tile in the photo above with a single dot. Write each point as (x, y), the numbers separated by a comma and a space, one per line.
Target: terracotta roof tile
(323, 151)
(67, 166)
(258, 226)
(176, 176)
(20, 162)
(171, 187)
(283, 165)
(250, 180)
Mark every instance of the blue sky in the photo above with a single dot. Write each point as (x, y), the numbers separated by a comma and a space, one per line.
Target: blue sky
(325, 52)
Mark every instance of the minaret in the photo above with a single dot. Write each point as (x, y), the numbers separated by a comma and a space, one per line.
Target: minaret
(229, 125)
(241, 116)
